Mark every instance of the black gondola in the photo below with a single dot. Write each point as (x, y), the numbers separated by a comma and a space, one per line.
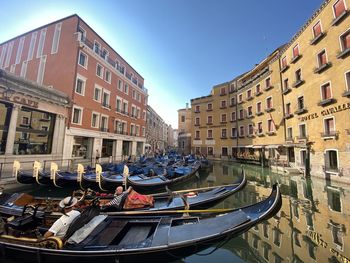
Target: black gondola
(201, 198)
(36, 176)
(144, 238)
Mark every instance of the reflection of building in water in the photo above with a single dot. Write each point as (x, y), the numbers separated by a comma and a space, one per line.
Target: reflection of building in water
(311, 225)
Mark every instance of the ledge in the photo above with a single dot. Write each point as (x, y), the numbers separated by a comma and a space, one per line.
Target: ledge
(268, 88)
(330, 135)
(346, 93)
(250, 98)
(326, 102)
(271, 133)
(323, 67)
(340, 18)
(300, 111)
(259, 113)
(250, 116)
(344, 53)
(269, 109)
(298, 83)
(295, 59)
(316, 39)
(232, 105)
(258, 93)
(284, 68)
(286, 91)
(261, 134)
(288, 116)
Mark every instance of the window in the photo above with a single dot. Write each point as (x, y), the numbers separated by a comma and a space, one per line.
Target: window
(197, 108)
(182, 118)
(97, 47)
(302, 131)
(260, 128)
(241, 131)
(347, 80)
(296, 52)
(288, 108)
(120, 85)
(241, 114)
(210, 151)
(234, 132)
(269, 103)
(82, 33)
(97, 94)
(338, 8)
(257, 89)
(317, 29)
(56, 38)
(249, 94)
(345, 41)
(197, 137)
(25, 121)
(80, 85)
(224, 152)
(233, 116)
(233, 101)
(125, 109)
(209, 106)
(77, 115)
(197, 122)
(99, 71)
(210, 134)
(250, 111)
(95, 120)
(83, 59)
(223, 117)
(298, 75)
(105, 99)
(286, 84)
(222, 91)
(108, 76)
(223, 133)
(331, 161)
(41, 43)
(223, 104)
(290, 133)
(126, 88)
(270, 125)
(267, 83)
(329, 127)
(104, 54)
(326, 91)
(118, 106)
(322, 58)
(258, 107)
(250, 129)
(284, 62)
(300, 103)
(240, 97)
(210, 120)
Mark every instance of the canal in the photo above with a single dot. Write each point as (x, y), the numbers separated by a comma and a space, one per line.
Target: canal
(312, 225)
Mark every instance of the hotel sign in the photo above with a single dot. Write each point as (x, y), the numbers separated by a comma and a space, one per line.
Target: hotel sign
(20, 100)
(328, 111)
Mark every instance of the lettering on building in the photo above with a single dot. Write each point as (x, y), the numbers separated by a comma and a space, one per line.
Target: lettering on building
(328, 111)
(19, 100)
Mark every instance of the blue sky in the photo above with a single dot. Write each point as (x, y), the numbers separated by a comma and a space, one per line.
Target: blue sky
(181, 47)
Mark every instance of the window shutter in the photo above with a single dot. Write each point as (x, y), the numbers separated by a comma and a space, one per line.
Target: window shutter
(346, 41)
(323, 59)
(331, 125)
(317, 29)
(339, 8)
(296, 51)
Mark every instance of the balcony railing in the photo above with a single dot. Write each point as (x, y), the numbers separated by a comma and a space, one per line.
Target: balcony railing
(286, 90)
(258, 93)
(330, 134)
(343, 53)
(317, 38)
(295, 59)
(298, 83)
(302, 137)
(284, 68)
(250, 98)
(326, 102)
(288, 115)
(300, 111)
(268, 87)
(289, 139)
(270, 109)
(323, 67)
(340, 18)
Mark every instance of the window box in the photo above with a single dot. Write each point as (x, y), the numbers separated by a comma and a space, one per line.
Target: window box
(346, 93)
(295, 59)
(298, 83)
(269, 109)
(344, 53)
(268, 88)
(330, 135)
(284, 68)
(323, 67)
(326, 102)
(271, 133)
(301, 111)
(259, 113)
(288, 115)
(316, 39)
(340, 18)
(286, 91)
(258, 93)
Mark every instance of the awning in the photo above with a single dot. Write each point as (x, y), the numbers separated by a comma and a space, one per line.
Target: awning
(258, 146)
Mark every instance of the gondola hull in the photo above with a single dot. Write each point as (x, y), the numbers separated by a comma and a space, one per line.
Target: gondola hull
(130, 239)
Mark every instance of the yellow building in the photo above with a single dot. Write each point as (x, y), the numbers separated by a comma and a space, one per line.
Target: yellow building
(184, 129)
(292, 109)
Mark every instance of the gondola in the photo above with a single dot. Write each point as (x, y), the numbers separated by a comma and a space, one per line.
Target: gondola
(200, 198)
(175, 175)
(143, 238)
(37, 176)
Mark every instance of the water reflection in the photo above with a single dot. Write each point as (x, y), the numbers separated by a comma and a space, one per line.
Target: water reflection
(312, 224)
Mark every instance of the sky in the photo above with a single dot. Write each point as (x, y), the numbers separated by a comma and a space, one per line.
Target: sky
(182, 48)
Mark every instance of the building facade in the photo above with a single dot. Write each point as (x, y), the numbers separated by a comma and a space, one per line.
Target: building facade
(291, 111)
(108, 113)
(184, 130)
(157, 130)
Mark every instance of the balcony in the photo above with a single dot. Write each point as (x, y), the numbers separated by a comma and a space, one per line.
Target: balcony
(259, 113)
(270, 109)
(233, 137)
(288, 115)
(326, 102)
(322, 68)
(286, 90)
(330, 135)
(102, 129)
(295, 59)
(300, 111)
(298, 83)
(346, 93)
(124, 112)
(133, 116)
(317, 38)
(340, 18)
(210, 138)
(343, 54)
(283, 69)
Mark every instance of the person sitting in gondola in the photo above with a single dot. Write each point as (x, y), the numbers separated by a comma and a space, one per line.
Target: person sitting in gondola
(60, 227)
(117, 202)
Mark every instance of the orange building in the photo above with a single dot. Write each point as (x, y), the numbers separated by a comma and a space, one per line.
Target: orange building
(108, 113)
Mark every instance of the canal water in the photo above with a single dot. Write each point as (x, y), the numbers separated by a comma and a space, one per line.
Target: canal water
(312, 226)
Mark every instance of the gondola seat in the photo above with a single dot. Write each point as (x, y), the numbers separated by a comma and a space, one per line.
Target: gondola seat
(26, 221)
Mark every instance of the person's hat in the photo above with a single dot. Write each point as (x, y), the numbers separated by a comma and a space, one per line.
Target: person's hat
(68, 202)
